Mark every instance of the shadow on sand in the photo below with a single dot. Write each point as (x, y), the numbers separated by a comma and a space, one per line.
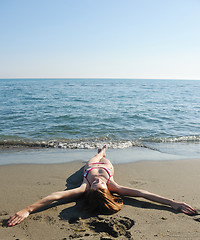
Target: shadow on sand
(77, 212)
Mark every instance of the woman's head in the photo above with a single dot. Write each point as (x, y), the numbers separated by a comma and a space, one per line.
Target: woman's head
(102, 201)
(98, 183)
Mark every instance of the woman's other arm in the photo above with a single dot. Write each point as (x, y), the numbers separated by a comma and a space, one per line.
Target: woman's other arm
(125, 191)
(24, 213)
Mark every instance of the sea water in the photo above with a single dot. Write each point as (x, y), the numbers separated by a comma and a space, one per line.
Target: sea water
(159, 115)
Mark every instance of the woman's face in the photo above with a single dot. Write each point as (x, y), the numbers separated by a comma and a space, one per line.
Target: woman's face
(98, 183)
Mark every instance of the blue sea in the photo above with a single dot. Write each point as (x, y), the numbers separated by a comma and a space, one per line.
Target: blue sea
(161, 115)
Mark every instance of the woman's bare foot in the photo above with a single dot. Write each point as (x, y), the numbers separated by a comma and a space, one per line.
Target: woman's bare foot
(103, 150)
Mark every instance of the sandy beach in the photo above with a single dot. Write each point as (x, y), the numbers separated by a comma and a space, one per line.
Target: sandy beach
(23, 184)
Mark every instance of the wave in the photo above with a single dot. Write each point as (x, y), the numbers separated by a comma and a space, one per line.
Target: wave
(95, 143)
(179, 139)
(72, 144)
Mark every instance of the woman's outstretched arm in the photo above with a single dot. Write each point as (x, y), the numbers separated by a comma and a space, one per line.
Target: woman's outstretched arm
(24, 213)
(180, 206)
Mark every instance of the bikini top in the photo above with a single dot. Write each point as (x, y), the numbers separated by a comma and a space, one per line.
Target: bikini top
(88, 170)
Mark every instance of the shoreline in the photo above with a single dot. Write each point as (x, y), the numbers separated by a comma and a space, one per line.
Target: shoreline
(56, 156)
(23, 184)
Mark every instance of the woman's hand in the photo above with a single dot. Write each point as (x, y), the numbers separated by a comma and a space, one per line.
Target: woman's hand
(18, 217)
(183, 207)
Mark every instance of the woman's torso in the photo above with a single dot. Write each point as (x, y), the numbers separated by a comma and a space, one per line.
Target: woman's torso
(103, 169)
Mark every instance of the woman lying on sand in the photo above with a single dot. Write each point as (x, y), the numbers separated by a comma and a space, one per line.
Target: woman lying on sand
(97, 186)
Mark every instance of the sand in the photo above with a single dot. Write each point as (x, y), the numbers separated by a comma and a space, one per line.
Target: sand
(22, 185)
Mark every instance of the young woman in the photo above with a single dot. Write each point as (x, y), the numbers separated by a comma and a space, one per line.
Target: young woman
(97, 188)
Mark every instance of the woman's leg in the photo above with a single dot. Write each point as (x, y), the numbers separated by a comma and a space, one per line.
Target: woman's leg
(97, 158)
(100, 158)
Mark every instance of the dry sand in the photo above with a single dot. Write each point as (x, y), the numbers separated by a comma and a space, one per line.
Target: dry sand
(22, 185)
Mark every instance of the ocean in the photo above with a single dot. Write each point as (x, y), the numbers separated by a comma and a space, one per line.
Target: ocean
(161, 115)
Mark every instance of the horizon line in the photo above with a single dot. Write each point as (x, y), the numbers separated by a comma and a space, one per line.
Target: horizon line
(98, 78)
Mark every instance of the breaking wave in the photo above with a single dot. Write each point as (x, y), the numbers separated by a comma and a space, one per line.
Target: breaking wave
(180, 139)
(94, 143)
(71, 144)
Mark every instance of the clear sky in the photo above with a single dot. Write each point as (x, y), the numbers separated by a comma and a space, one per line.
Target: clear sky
(100, 39)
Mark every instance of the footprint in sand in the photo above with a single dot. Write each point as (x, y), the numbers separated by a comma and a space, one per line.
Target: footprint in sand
(114, 227)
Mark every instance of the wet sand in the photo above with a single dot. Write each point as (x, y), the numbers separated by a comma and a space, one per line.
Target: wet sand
(24, 184)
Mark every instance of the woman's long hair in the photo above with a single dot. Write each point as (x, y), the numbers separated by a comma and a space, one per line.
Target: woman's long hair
(101, 201)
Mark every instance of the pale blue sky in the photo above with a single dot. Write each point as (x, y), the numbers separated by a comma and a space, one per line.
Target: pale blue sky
(100, 39)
